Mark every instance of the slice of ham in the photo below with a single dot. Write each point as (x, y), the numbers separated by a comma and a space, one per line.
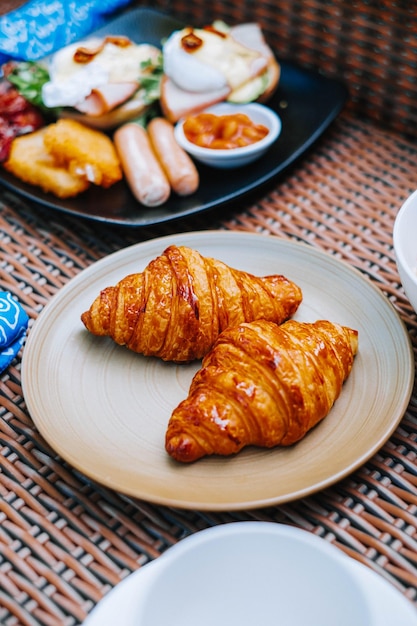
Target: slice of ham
(106, 98)
(176, 102)
(250, 35)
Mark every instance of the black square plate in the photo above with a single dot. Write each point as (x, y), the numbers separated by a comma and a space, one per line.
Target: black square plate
(306, 102)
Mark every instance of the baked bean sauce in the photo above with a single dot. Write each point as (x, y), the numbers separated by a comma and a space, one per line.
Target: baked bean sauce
(221, 132)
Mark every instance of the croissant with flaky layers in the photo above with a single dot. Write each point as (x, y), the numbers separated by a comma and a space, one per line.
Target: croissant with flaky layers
(176, 308)
(261, 384)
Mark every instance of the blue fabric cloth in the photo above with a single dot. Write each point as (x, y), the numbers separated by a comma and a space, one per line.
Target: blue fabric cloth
(13, 326)
(41, 27)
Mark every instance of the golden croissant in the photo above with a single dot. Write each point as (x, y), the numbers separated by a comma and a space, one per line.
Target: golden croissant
(176, 308)
(263, 385)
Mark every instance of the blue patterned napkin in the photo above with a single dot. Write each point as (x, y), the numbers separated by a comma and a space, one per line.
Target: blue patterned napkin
(40, 27)
(13, 325)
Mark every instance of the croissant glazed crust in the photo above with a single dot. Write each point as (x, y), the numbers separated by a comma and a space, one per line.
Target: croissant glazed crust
(263, 385)
(176, 308)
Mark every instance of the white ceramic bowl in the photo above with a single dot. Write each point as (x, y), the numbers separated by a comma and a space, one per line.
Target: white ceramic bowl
(405, 247)
(253, 573)
(234, 157)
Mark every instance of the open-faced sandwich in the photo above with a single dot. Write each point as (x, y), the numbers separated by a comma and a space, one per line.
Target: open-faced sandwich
(203, 66)
(103, 82)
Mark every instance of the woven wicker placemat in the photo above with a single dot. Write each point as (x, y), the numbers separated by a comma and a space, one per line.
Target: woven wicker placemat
(65, 542)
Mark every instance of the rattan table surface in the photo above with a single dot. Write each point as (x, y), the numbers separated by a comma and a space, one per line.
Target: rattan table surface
(65, 542)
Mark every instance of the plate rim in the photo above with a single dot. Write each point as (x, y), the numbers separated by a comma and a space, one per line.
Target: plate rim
(192, 237)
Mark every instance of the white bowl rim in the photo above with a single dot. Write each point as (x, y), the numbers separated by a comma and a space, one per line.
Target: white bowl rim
(227, 153)
(397, 233)
(248, 528)
(254, 528)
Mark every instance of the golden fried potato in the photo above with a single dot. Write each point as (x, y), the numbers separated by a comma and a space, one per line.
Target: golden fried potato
(84, 151)
(29, 161)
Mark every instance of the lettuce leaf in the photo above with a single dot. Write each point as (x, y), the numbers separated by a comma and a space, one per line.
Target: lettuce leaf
(29, 77)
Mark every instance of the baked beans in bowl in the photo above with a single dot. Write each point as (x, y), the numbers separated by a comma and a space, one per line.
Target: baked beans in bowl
(228, 135)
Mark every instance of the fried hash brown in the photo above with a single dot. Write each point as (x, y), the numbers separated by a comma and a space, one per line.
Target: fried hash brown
(84, 151)
(29, 160)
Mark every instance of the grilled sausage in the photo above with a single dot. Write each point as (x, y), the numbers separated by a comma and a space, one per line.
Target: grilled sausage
(177, 164)
(141, 167)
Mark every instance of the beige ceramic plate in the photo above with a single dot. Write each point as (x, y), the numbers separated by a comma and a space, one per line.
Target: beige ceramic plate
(105, 409)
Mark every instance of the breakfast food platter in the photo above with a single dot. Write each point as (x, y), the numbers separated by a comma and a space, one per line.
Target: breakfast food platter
(306, 103)
(113, 428)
